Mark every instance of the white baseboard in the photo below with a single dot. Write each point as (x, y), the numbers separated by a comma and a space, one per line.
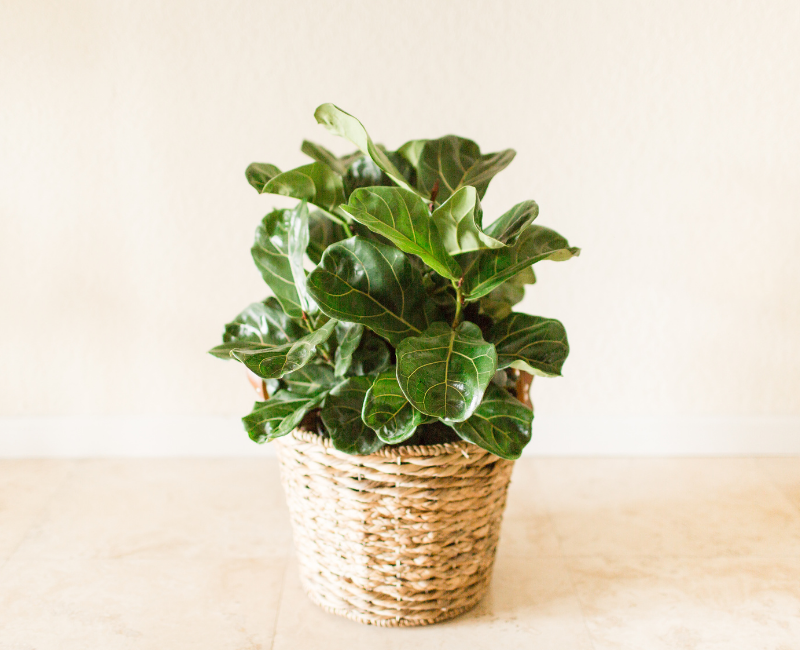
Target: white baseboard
(142, 437)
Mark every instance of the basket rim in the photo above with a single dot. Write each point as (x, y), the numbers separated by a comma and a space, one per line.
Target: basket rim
(460, 447)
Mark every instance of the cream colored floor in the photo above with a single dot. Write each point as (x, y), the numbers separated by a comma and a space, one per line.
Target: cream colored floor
(595, 554)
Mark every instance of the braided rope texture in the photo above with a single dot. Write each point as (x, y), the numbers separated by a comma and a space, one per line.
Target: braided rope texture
(405, 536)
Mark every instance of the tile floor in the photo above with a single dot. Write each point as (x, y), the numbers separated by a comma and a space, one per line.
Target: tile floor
(595, 554)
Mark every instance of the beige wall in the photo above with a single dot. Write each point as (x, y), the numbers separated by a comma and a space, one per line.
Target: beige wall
(663, 138)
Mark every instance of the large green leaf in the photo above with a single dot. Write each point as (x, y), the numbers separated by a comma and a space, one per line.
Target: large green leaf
(458, 221)
(531, 343)
(346, 126)
(404, 219)
(322, 233)
(271, 255)
(412, 152)
(499, 301)
(279, 415)
(310, 380)
(501, 424)
(322, 155)
(485, 269)
(276, 361)
(455, 162)
(388, 412)
(341, 417)
(348, 336)
(444, 371)
(259, 174)
(361, 281)
(371, 356)
(296, 250)
(262, 323)
(316, 183)
(508, 225)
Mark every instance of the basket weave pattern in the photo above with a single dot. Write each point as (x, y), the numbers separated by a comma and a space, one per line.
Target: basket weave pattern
(405, 536)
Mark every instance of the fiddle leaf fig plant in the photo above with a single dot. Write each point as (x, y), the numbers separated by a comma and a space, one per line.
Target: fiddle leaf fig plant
(391, 317)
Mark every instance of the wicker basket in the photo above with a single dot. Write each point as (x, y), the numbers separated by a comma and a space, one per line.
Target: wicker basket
(405, 536)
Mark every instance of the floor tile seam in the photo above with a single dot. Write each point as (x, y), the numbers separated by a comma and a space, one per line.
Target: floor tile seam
(279, 606)
(786, 497)
(40, 515)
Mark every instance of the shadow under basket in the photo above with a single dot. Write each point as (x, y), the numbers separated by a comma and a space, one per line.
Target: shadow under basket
(405, 536)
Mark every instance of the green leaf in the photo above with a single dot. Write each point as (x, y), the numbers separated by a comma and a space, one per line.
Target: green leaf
(499, 301)
(310, 380)
(412, 152)
(501, 424)
(371, 356)
(348, 336)
(444, 371)
(341, 417)
(316, 183)
(456, 162)
(296, 249)
(322, 233)
(259, 174)
(364, 173)
(271, 255)
(507, 226)
(531, 343)
(486, 269)
(388, 412)
(361, 281)
(346, 126)
(458, 221)
(404, 219)
(276, 361)
(262, 323)
(279, 415)
(322, 155)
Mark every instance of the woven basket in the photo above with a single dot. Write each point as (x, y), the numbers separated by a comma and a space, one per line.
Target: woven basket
(405, 536)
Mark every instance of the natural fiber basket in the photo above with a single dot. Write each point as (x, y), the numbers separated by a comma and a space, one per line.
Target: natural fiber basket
(404, 536)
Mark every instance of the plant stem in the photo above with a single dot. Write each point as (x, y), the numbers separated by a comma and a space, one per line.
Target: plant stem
(347, 230)
(459, 303)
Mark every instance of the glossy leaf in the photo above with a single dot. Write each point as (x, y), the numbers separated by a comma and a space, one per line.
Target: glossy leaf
(531, 343)
(276, 361)
(259, 174)
(348, 336)
(456, 162)
(316, 183)
(501, 424)
(361, 281)
(311, 379)
(486, 269)
(341, 416)
(279, 415)
(262, 323)
(371, 356)
(322, 233)
(507, 227)
(444, 371)
(364, 173)
(346, 126)
(498, 302)
(404, 219)
(322, 155)
(388, 412)
(412, 152)
(458, 221)
(297, 244)
(271, 255)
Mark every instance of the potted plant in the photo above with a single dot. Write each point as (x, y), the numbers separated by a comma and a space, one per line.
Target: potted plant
(391, 369)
